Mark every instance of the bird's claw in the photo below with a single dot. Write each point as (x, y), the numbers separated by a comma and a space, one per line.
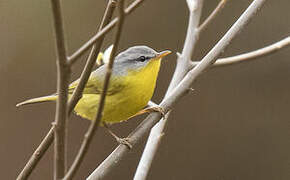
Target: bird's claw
(124, 141)
(151, 109)
(156, 109)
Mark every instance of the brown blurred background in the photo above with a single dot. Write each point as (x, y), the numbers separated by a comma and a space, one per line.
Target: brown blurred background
(234, 126)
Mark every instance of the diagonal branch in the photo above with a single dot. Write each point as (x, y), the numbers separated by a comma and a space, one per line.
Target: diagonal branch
(105, 30)
(36, 156)
(40, 151)
(212, 16)
(182, 67)
(246, 57)
(114, 158)
(31, 164)
(77, 94)
(94, 124)
(63, 76)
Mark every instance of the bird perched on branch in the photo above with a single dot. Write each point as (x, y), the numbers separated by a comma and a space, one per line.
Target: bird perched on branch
(130, 88)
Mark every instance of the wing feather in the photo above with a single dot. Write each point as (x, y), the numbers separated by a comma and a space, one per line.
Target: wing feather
(95, 83)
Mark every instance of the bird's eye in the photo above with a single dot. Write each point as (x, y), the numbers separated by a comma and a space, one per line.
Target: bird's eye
(142, 58)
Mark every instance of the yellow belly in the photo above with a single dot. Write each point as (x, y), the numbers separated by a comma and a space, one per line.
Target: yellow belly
(124, 104)
(117, 108)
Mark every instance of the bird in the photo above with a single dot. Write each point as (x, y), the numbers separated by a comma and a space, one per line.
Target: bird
(131, 87)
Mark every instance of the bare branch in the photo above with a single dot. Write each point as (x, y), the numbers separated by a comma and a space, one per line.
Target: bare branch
(114, 158)
(36, 156)
(41, 150)
(94, 124)
(35, 159)
(63, 76)
(151, 104)
(101, 33)
(77, 94)
(182, 67)
(246, 57)
(212, 16)
(150, 150)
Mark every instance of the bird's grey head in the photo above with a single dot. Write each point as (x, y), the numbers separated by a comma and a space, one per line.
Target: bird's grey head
(135, 57)
(136, 54)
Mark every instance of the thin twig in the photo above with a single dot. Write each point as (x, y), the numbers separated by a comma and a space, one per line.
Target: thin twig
(77, 94)
(41, 150)
(246, 57)
(149, 152)
(29, 167)
(63, 76)
(114, 158)
(36, 156)
(94, 124)
(105, 30)
(182, 67)
(212, 16)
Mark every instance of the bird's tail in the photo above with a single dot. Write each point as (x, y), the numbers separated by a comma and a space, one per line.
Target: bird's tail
(38, 100)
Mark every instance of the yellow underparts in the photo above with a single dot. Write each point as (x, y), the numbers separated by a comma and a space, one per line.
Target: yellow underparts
(138, 90)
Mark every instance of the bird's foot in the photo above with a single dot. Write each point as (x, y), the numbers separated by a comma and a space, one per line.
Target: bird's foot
(124, 141)
(149, 110)
(153, 109)
(156, 109)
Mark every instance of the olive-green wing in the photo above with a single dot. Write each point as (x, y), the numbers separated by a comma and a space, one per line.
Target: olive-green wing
(96, 82)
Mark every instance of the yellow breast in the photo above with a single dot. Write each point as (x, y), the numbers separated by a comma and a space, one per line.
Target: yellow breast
(138, 90)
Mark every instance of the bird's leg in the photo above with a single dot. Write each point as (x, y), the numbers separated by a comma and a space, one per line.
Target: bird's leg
(151, 109)
(124, 141)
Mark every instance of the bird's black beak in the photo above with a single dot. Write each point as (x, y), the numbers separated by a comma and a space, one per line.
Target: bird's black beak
(162, 54)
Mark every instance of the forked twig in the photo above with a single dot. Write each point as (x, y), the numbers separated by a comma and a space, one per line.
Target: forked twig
(94, 124)
(63, 77)
(35, 158)
(77, 94)
(101, 33)
(246, 57)
(114, 158)
(212, 16)
(182, 67)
